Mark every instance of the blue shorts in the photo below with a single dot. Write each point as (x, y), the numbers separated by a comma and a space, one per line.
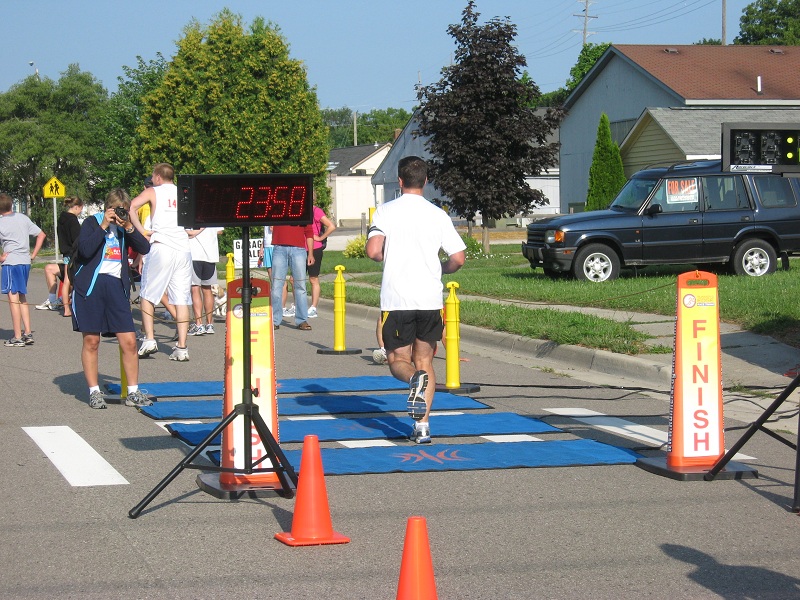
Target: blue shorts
(106, 310)
(15, 279)
(266, 262)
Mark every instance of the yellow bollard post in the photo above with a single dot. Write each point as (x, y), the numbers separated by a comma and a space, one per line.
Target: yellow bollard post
(452, 337)
(339, 295)
(339, 308)
(372, 210)
(230, 268)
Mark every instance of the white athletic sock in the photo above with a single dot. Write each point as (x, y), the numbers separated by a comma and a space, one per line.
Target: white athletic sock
(94, 388)
(132, 388)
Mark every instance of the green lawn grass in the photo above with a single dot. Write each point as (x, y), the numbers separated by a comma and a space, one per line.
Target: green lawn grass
(766, 305)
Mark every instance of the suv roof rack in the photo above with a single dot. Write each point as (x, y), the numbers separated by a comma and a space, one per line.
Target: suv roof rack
(672, 165)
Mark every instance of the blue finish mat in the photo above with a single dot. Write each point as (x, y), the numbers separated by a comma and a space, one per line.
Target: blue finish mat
(310, 405)
(367, 383)
(464, 457)
(387, 427)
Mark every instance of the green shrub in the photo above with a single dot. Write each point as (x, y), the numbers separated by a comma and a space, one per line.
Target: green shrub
(474, 247)
(356, 248)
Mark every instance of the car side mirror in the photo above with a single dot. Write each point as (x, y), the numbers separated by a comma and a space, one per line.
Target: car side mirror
(653, 209)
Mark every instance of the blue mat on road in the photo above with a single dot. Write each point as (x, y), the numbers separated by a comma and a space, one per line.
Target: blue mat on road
(464, 457)
(310, 405)
(388, 427)
(367, 383)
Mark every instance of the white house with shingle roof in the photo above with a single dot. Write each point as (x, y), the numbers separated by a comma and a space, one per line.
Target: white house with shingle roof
(629, 80)
(349, 172)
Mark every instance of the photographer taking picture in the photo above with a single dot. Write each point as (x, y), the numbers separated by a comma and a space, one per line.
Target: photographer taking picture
(102, 282)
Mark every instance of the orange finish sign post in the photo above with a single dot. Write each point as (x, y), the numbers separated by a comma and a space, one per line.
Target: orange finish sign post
(696, 433)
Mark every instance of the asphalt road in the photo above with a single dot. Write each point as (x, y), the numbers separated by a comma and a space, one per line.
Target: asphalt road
(577, 532)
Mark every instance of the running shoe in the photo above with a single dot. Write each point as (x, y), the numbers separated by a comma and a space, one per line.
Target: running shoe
(379, 356)
(47, 305)
(289, 312)
(416, 404)
(312, 312)
(179, 354)
(195, 329)
(27, 338)
(97, 400)
(210, 329)
(15, 342)
(138, 398)
(147, 348)
(421, 433)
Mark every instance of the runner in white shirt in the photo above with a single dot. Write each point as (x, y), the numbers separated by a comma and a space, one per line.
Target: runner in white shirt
(169, 265)
(407, 234)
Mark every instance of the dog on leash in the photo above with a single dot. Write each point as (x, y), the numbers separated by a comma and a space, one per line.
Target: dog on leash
(220, 301)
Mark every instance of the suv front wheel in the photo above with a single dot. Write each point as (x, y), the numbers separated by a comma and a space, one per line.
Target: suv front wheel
(754, 258)
(596, 262)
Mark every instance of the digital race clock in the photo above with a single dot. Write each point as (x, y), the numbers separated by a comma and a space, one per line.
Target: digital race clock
(244, 200)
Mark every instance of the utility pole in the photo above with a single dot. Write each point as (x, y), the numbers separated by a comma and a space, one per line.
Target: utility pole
(724, 22)
(586, 16)
(355, 128)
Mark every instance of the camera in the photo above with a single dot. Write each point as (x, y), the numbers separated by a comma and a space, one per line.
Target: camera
(121, 212)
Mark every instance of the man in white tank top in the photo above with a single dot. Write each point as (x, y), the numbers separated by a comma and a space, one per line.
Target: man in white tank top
(169, 264)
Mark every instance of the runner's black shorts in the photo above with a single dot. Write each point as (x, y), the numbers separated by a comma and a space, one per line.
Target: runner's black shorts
(401, 327)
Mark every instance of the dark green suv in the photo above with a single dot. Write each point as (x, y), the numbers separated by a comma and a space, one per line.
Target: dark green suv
(688, 213)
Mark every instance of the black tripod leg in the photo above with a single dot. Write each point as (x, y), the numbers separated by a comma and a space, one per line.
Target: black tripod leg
(720, 464)
(136, 510)
(285, 472)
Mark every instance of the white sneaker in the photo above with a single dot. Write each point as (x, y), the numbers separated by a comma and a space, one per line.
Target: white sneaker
(147, 348)
(195, 329)
(421, 434)
(47, 305)
(179, 354)
(209, 329)
(289, 312)
(379, 356)
(312, 312)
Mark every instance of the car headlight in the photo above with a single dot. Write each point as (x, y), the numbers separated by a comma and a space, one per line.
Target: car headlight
(554, 236)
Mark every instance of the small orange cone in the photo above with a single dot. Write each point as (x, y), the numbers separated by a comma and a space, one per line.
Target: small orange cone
(416, 569)
(311, 524)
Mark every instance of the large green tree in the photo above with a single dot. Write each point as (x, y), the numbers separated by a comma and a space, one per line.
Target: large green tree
(484, 135)
(587, 58)
(376, 126)
(234, 101)
(120, 118)
(50, 128)
(606, 174)
(768, 22)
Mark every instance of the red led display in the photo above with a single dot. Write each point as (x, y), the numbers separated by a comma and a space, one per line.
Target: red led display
(244, 200)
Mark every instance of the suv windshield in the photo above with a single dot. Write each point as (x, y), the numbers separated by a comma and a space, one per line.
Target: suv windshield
(633, 195)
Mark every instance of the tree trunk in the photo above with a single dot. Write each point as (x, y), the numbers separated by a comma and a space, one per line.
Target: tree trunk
(487, 246)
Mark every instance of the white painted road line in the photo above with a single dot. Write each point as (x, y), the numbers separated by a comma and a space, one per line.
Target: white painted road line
(629, 429)
(75, 459)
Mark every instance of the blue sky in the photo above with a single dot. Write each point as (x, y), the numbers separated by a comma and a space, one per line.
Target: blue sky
(358, 53)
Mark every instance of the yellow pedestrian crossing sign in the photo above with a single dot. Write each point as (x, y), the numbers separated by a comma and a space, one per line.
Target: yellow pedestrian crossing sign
(54, 189)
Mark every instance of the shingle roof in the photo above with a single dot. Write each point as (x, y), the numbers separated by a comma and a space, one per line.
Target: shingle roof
(703, 72)
(341, 160)
(697, 131)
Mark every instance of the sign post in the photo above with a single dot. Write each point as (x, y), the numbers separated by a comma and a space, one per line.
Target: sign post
(54, 189)
(696, 434)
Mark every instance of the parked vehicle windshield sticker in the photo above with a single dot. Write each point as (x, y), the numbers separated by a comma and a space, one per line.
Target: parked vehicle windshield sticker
(680, 191)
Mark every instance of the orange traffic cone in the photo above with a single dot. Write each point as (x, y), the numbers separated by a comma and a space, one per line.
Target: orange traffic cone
(311, 524)
(416, 569)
